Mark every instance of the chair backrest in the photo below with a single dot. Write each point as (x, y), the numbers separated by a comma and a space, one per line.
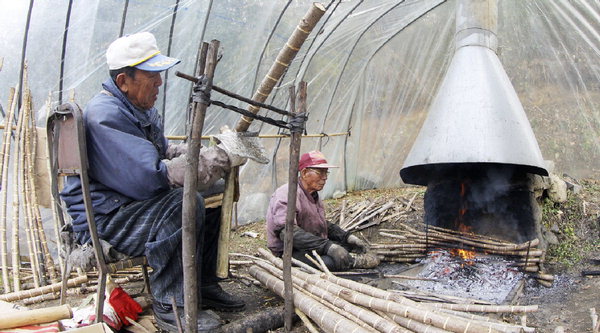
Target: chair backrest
(68, 157)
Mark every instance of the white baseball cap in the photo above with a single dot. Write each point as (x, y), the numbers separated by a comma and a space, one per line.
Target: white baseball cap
(139, 51)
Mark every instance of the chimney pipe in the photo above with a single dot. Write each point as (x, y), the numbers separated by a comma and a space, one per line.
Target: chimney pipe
(476, 117)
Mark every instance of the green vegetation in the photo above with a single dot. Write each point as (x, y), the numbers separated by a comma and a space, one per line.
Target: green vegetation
(577, 232)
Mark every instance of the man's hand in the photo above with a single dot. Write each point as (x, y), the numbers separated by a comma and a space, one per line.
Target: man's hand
(358, 243)
(340, 256)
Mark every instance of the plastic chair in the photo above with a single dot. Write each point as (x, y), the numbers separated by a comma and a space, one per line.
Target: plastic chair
(68, 157)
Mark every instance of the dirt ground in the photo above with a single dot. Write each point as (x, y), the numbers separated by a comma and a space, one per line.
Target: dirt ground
(575, 225)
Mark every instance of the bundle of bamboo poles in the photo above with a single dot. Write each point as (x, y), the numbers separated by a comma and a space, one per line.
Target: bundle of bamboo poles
(368, 213)
(410, 244)
(17, 157)
(340, 305)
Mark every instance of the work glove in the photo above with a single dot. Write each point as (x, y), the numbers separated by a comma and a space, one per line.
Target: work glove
(213, 163)
(340, 256)
(358, 243)
(240, 146)
(174, 150)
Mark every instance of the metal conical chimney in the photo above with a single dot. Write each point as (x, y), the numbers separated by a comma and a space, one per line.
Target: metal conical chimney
(476, 117)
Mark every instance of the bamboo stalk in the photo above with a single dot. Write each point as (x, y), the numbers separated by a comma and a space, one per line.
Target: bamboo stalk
(284, 59)
(30, 151)
(314, 261)
(355, 292)
(25, 188)
(55, 287)
(307, 323)
(18, 178)
(412, 325)
(321, 262)
(339, 311)
(41, 298)
(37, 316)
(322, 316)
(368, 317)
(4, 189)
(486, 308)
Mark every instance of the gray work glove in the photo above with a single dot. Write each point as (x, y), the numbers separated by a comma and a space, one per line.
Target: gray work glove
(174, 150)
(213, 163)
(358, 243)
(240, 147)
(340, 256)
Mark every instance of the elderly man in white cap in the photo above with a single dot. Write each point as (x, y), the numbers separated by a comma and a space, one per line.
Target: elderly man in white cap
(311, 230)
(136, 181)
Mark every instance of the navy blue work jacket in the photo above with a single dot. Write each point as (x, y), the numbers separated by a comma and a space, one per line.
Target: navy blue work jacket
(125, 147)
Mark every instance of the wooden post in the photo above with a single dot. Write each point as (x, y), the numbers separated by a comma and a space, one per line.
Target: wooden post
(283, 60)
(190, 264)
(291, 207)
(225, 228)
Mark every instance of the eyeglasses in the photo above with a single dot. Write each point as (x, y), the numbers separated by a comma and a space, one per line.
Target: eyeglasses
(321, 172)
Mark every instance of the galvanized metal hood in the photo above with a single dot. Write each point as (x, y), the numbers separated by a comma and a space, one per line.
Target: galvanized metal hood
(476, 116)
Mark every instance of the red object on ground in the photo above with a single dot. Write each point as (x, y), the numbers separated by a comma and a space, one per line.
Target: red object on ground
(124, 305)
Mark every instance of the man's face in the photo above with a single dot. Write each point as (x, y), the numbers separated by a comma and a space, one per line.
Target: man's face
(141, 89)
(313, 179)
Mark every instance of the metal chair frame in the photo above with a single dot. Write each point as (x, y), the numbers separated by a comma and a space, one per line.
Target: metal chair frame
(68, 157)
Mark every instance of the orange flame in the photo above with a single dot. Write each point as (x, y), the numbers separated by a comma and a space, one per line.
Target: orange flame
(464, 254)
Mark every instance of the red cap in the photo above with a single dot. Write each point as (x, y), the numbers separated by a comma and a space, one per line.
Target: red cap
(314, 159)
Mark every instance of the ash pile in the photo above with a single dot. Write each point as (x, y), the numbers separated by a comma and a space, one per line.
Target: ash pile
(485, 279)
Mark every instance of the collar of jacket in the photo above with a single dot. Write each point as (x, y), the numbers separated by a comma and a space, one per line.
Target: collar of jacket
(145, 117)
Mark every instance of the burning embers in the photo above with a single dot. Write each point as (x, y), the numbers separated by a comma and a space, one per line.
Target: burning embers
(485, 278)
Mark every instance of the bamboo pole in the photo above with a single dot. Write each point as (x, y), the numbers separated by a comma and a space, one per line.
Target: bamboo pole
(339, 311)
(51, 288)
(37, 316)
(367, 316)
(18, 177)
(24, 182)
(4, 189)
(306, 321)
(30, 151)
(284, 59)
(374, 298)
(321, 315)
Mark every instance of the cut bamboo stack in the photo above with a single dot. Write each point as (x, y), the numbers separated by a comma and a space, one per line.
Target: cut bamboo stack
(340, 305)
(17, 157)
(410, 244)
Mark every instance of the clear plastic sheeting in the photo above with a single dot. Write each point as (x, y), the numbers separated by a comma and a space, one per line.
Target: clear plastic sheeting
(372, 67)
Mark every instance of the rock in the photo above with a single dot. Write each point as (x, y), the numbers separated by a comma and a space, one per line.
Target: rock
(558, 189)
(550, 238)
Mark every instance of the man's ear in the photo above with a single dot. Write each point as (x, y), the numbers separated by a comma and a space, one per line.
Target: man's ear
(122, 82)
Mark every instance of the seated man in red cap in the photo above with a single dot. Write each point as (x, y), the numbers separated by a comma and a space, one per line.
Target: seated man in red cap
(311, 230)
(136, 180)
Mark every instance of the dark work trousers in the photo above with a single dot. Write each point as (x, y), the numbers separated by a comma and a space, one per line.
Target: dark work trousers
(153, 228)
(327, 260)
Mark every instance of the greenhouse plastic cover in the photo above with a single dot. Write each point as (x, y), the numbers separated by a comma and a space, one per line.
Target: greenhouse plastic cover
(372, 68)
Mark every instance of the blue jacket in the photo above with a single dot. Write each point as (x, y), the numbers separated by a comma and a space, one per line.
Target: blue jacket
(125, 147)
